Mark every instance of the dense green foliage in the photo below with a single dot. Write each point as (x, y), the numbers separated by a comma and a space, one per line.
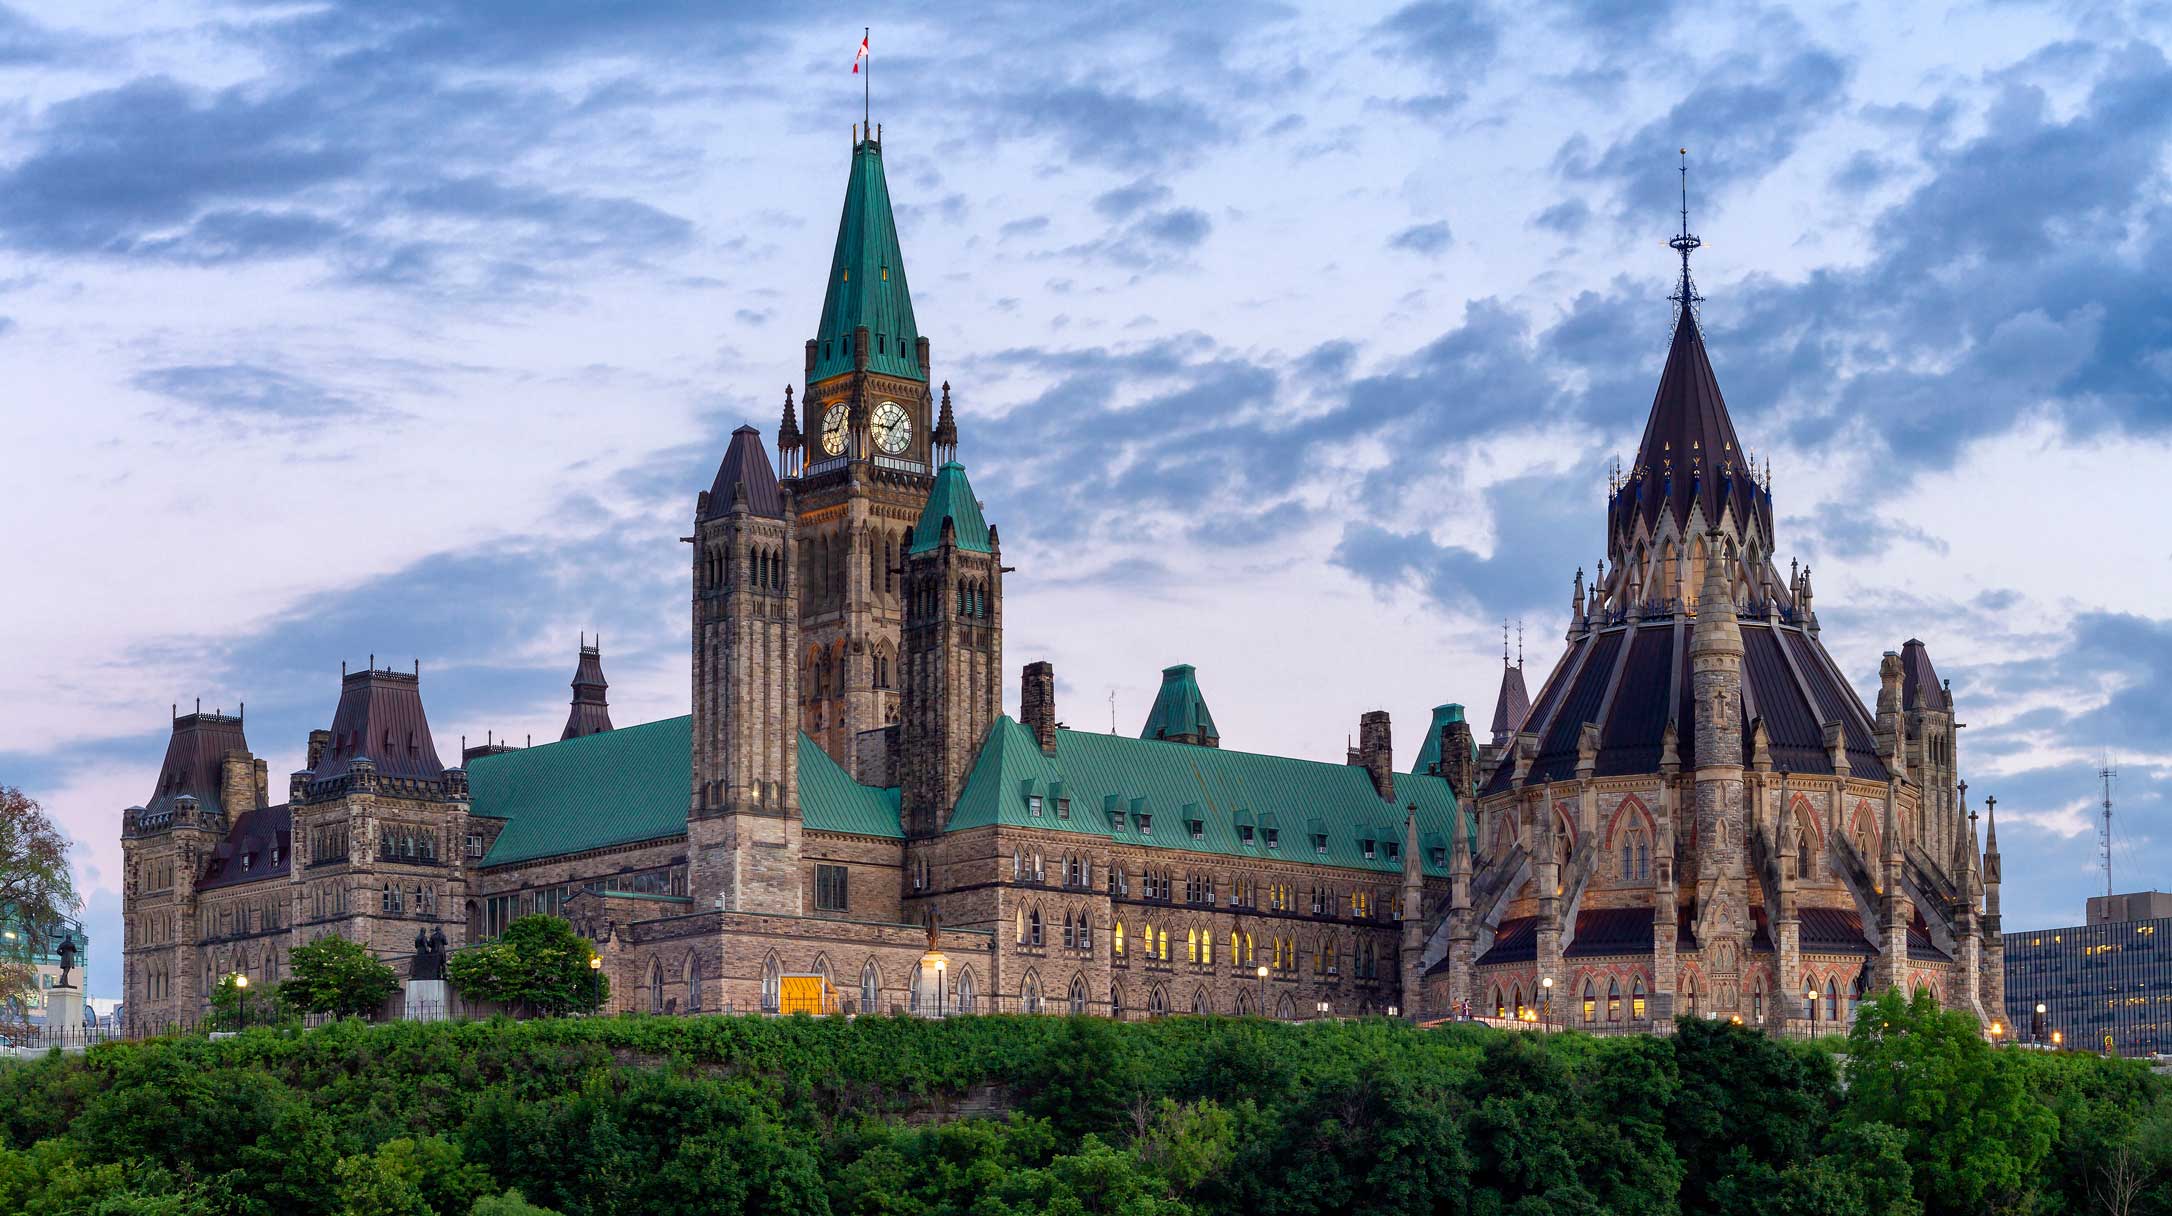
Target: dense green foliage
(336, 976)
(991, 1116)
(538, 965)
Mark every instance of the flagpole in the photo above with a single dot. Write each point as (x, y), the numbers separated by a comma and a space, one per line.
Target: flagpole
(867, 79)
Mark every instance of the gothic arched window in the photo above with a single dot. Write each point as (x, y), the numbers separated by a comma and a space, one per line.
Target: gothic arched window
(1029, 994)
(771, 982)
(965, 991)
(1591, 1002)
(1033, 927)
(870, 988)
(1613, 1000)
(1636, 999)
(1832, 1002)
(1078, 994)
(693, 984)
(1802, 854)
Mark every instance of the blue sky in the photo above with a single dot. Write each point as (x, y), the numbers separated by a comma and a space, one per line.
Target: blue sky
(1291, 342)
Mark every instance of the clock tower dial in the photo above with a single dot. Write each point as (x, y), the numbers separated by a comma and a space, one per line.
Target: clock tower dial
(833, 430)
(893, 428)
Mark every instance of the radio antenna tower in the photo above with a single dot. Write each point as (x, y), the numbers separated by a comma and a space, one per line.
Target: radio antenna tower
(2105, 775)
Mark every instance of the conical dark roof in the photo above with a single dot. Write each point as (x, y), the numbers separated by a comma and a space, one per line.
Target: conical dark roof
(591, 711)
(1690, 453)
(1920, 685)
(1512, 706)
(745, 461)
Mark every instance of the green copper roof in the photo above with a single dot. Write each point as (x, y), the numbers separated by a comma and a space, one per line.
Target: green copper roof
(1226, 794)
(630, 785)
(1429, 754)
(952, 497)
(589, 792)
(831, 801)
(867, 280)
(1179, 708)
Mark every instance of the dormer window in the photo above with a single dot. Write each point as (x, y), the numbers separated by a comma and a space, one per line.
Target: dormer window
(1116, 819)
(1146, 824)
(1368, 846)
(1439, 856)
(1274, 838)
(1063, 808)
(1033, 805)
(1319, 843)
(1199, 829)
(1244, 833)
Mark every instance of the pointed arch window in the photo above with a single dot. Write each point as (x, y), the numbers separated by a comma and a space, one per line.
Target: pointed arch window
(1613, 1000)
(1802, 854)
(1636, 999)
(1116, 1002)
(1029, 994)
(1515, 996)
(1689, 995)
(1500, 1006)
(693, 984)
(870, 988)
(1199, 1001)
(1116, 939)
(1033, 927)
(1157, 1003)
(1078, 994)
(1591, 1003)
(1757, 999)
(967, 998)
(656, 986)
(771, 982)
(1832, 1002)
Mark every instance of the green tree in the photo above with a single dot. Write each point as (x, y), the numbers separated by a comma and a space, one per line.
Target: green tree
(1976, 1136)
(508, 1204)
(408, 1177)
(540, 965)
(1746, 1108)
(36, 888)
(1086, 1079)
(336, 976)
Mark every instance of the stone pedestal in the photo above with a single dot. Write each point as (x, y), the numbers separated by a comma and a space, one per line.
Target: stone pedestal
(427, 1001)
(64, 1012)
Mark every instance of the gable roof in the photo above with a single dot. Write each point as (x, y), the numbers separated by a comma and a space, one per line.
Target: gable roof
(867, 280)
(952, 499)
(1223, 792)
(259, 845)
(746, 461)
(631, 784)
(1180, 709)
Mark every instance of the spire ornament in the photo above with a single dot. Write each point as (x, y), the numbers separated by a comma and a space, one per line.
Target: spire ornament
(1685, 243)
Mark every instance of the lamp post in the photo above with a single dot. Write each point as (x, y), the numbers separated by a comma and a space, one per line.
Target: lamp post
(2036, 1024)
(1810, 1002)
(241, 984)
(1998, 1029)
(941, 965)
(1263, 991)
(2058, 1040)
(595, 983)
(1546, 1002)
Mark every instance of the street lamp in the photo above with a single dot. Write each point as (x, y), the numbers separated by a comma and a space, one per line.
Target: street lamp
(1998, 1028)
(2036, 1024)
(241, 982)
(941, 965)
(1263, 991)
(1810, 1001)
(2057, 1040)
(595, 982)
(1546, 1001)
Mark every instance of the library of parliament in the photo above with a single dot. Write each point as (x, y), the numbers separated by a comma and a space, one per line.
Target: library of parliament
(1694, 815)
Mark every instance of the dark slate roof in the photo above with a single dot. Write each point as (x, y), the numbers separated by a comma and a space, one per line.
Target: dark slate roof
(1429, 751)
(1832, 931)
(591, 711)
(745, 460)
(1179, 708)
(199, 742)
(867, 280)
(1223, 792)
(1611, 931)
(630, 785)
(380, 716)
(1513, 705)
(951, 499)
(1689, 453)
(258, 846)
(1920, 686)
(1789, 681)
(1516, 941)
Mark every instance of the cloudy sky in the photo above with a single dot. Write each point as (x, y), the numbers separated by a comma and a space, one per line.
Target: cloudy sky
(1288, 342)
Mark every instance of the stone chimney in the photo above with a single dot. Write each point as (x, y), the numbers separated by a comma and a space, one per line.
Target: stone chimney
(320, 742)
(1037, 703)
(1376, 751)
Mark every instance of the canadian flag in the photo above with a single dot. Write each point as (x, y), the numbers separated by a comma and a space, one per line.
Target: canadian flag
(862, 55)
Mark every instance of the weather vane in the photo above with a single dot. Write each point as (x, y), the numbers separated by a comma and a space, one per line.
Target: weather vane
(1685, 243)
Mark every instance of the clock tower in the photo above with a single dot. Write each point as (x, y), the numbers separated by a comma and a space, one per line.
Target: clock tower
(861, 470)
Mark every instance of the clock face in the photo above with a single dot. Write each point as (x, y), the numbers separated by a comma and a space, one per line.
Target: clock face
(833, 430)
(893, 427)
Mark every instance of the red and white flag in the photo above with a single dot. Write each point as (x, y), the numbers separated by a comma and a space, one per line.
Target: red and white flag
(862, 55)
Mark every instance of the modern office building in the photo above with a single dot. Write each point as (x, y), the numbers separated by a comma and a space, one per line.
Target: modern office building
(2106, 985)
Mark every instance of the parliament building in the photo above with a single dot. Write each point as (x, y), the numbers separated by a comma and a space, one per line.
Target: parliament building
(1695, 815)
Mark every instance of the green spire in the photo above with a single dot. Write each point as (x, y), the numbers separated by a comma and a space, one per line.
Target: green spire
(952, 499)
(1180, 709)
(867, 280)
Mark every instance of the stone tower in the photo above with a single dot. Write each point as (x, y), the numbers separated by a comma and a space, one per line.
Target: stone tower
(743, 820)
(378, 822)
(863, 470)
(207, 778)
(952, 661)
(1926, 707)
(1715, 658)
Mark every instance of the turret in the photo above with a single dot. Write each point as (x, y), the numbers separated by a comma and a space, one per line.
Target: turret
(591, 710)
(1413, 914)
(952, 660)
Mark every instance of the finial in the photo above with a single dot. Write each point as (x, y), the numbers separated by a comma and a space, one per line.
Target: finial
(1685, 243)
(1519, 642)
(1504, 641)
